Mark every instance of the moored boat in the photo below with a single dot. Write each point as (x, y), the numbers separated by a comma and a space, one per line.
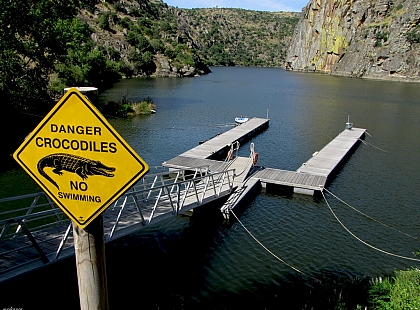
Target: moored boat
(241, 120)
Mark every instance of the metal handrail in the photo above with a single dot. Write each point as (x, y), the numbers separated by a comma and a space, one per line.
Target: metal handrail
(250, 160)
(168, 193)
(196, 187)
(32, 206)
(7, 199)
(37, 215)
(168, 187)
(11, 226)
(233, 147)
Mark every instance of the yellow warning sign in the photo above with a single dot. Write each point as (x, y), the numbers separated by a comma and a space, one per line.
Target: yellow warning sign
(79, 159)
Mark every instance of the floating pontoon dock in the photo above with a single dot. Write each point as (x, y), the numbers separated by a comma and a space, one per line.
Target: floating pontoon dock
(157, 197)
(313, 175)
(218, 147)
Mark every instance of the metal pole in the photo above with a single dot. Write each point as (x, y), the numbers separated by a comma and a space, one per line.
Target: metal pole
(89, 247)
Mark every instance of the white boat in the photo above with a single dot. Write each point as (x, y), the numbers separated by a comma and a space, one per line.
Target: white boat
(241, 120)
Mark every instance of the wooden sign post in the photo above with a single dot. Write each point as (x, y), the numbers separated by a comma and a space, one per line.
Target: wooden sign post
(89, 247)
(84, 166)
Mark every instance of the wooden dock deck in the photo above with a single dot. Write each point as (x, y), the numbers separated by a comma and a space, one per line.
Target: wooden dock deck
(290, 178)
(329, 158)
(218, 146)
(313, 174)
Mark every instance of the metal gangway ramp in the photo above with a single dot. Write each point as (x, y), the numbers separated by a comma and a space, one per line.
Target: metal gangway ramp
(39, 233)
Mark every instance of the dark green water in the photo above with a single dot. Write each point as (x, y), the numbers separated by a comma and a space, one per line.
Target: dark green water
(196, 262)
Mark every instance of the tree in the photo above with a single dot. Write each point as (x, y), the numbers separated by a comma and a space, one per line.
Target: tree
(87, 65)
(143, 63)
(138, 40)
(103, 20)
(149, 65)
(34, 36)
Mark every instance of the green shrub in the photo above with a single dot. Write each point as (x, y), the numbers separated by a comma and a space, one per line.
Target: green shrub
(125, 22)
(143, 107)
(413, 35)
(103, 20)
(125, 108)
(399, 292)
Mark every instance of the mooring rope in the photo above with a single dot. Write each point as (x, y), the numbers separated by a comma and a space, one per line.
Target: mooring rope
(222, 125)
(265, 248)
(369, 217)
(369, 144)
(362, 241)
(31, 114)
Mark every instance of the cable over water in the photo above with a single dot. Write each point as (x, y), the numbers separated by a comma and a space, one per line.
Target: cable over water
(369, 217)
(362, 241)
(366, 143)
(274, 255)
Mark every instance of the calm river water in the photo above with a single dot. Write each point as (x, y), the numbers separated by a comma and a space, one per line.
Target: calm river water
(197, 261)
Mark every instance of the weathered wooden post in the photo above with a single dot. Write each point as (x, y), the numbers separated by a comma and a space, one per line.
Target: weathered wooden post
(89, 247)
(84, 166)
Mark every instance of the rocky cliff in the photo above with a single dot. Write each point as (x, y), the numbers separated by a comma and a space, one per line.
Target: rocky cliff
(358, 38)
(150, 38)
(238, 37)
(144, 38)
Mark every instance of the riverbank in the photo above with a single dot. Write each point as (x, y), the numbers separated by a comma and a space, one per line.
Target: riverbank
(397, 79)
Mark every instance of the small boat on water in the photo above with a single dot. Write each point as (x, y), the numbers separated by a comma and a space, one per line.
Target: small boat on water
(241, 120)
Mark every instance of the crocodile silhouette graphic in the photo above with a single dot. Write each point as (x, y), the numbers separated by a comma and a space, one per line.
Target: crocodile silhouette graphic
(83, 167)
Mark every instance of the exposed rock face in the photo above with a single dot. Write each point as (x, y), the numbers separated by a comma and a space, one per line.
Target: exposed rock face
(359, 38)
(145, 19)
(238, 37)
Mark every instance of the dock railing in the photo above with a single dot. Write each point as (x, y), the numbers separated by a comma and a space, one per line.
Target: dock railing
(233, 151)
(34, 231)
(39, 214)
(174, 192)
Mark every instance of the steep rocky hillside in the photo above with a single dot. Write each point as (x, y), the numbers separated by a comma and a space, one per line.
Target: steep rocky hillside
(144, 38)
(359, 38)
(150, 38)
(237, 36)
